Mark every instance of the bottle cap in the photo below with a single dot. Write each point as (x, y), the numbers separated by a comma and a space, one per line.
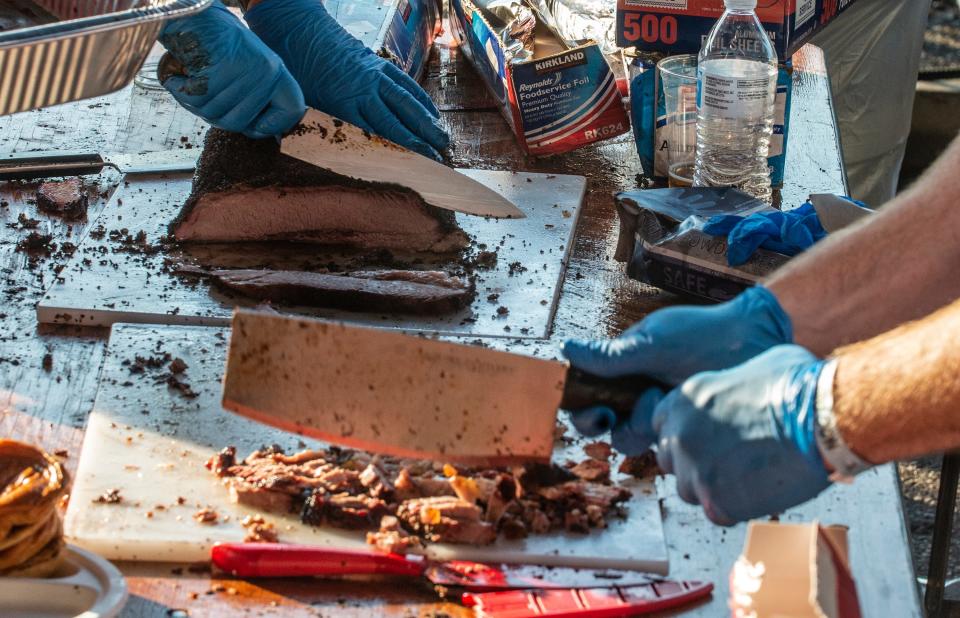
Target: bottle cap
(747, 5)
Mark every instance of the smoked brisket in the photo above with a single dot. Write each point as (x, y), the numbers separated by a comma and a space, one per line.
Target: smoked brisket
(246, 190)
(416, 292)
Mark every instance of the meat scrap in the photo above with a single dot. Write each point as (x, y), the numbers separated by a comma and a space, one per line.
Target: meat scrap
(600, 451)
(416, 292)
(258, 530)
(413, 501)
(206, 516)
(642, 465)
(65, 197)
(246, 190)
(592, 470)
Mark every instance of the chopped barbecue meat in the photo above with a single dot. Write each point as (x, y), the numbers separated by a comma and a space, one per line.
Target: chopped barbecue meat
(392, 538)
(592, 470)
(111, 496)
(641, 466)
(342, 510)
(246, 190)
(376, 481)
(259, 530)
(206, 516)
(65, 197)
(600, 451)
(576, 521)
(220, 463)
(446, 519)
(404, 486)
(542, 475)
(352, 292)
(259, 498)
(351, 489)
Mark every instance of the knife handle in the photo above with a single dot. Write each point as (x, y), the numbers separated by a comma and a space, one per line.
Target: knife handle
(33, 165)
(583, 390)
(285, 560)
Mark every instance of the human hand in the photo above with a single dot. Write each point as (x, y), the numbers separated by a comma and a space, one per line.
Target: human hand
(669, 346)
(343, 78)
(742, 441)
(233, 81)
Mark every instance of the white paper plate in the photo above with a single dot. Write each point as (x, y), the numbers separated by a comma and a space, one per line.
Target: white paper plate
(89, 587)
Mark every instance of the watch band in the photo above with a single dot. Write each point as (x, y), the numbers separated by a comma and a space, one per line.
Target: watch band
(845, 463)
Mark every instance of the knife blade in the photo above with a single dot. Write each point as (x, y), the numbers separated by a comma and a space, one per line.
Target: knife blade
(288, 560)
(44, 164)
(328, 142)
(388, 392)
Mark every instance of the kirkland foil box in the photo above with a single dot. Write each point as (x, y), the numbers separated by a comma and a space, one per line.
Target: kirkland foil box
(401, 31)
(560, 98)
(652, 127)
(679, 26)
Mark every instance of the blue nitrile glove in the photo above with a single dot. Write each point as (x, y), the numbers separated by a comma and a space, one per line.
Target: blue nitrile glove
(343, 78)
(789, 232)
(669, 346)
(742, 442)
(234, 82)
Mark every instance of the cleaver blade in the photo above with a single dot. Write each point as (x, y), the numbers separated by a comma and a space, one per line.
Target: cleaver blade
(325, 141)
(404, 395)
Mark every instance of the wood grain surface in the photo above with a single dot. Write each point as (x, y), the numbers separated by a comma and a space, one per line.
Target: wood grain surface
(46, 401)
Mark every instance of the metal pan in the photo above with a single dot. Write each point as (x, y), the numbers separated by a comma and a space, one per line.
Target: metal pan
(95, 47)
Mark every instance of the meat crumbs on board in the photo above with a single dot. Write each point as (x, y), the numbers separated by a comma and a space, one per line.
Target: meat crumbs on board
(404, 503)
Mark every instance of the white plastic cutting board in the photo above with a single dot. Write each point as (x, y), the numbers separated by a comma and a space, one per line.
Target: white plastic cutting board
(150, 442)
(105, 283)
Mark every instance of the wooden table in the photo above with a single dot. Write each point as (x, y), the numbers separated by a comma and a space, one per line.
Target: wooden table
(49, 407)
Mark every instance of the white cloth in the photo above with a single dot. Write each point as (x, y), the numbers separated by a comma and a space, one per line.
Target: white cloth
(872, 53)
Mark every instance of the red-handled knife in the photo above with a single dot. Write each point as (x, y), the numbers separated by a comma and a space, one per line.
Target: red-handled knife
(612, 602)
(284, 560)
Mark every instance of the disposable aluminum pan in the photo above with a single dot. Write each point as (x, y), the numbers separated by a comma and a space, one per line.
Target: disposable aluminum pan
(92, 48)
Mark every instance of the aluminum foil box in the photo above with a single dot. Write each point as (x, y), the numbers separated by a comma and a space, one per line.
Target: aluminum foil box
(555, 101)
(679, 26)
(399, 30)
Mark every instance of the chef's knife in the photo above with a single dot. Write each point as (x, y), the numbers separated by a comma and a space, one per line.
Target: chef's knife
(46, 164)
(327, 142)
(409, 396)
(331, 143)
(285, 560)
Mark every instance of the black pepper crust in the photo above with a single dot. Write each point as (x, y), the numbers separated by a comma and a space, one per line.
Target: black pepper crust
(231, 159)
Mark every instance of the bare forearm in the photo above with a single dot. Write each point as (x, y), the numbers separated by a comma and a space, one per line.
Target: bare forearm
(893, 267)
(898, 395)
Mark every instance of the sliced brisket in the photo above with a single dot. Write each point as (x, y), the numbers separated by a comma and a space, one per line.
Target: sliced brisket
(246, 190)
(423, 293)
(66, 198)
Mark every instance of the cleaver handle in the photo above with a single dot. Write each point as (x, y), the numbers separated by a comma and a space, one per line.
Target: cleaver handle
(285, 560)
(583, 390)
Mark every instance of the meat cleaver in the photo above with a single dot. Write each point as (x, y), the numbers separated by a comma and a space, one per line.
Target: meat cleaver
(331, 143)
(404, 395)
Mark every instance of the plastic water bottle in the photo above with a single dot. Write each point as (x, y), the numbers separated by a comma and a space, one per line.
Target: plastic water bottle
(736, 88)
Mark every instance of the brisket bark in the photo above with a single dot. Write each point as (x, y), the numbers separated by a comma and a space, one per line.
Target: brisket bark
(246, 190)
(417, 292)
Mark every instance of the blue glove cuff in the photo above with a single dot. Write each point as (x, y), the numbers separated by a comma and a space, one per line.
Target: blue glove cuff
(800, 413)
(759, 305)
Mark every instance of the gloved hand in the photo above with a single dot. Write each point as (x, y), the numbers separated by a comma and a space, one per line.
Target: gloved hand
(343, 78)
(669, 346)
(741, 442)
(233, 81)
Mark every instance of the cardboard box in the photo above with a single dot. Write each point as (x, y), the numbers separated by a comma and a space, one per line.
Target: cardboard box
(663, 243)
(562, 98)
(399, 30)
(652, 127)
(680, 26)
(795, 570)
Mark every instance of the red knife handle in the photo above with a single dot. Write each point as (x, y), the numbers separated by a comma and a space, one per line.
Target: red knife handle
(283, 560)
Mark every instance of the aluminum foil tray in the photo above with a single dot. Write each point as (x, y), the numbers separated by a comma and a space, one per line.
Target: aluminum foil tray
(89, 48)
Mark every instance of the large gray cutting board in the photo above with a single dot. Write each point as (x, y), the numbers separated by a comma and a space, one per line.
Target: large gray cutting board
(106, 283)
(150, 442)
